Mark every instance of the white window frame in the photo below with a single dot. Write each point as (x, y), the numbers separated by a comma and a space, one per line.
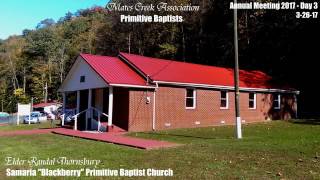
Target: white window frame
(254, 101)
(278, 99)
(227, 100)
(194, 98)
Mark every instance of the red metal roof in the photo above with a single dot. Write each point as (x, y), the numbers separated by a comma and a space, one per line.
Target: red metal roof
(180, 72)
(116, 71)
(113, 70)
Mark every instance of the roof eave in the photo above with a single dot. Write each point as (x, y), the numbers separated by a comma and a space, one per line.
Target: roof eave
(220, 87)
(132, 86)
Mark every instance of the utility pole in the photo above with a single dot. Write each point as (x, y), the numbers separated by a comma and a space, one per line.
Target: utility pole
(31, 103)
(129, 43)
(236, 74)
(46, 93)
(24, 80)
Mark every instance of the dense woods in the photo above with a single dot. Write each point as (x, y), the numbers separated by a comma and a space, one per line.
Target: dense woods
(272, 41)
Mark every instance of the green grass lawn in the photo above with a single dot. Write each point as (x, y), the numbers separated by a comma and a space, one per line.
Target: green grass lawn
(13, 127)
(271, 150)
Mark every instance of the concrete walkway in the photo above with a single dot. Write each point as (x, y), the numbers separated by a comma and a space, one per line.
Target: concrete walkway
(116, 138)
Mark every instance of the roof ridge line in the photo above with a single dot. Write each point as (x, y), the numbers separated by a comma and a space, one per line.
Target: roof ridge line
(203, 65)
(162, 69)
(135, 68)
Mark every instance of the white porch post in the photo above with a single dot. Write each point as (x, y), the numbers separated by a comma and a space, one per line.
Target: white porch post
(99, 121)
(110, 106)
(78, 102)
(64, 99)
(77, 111)
(89, 107)
(75, 123)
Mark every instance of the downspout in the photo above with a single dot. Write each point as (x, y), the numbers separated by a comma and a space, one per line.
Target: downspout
(154, 108)
(296, 105)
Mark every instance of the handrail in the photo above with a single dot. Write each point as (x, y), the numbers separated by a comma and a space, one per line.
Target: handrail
(80, 113)
(67, 113)
(99, 111)
(89, 109)
(76, 118)
(99, 117)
